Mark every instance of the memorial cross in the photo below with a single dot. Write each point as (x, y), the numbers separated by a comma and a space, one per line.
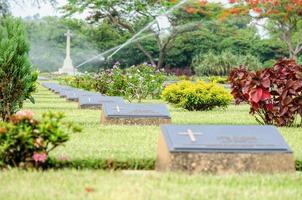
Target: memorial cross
(191, 134)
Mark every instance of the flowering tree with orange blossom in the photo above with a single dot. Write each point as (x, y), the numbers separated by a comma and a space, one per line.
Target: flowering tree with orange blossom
(284, 18)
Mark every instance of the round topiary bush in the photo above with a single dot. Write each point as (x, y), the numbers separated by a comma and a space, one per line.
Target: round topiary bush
(197, 96)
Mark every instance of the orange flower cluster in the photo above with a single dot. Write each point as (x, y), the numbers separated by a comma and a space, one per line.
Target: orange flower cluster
(203, 2)
(22, 115)
(3, 130)
(191, 10)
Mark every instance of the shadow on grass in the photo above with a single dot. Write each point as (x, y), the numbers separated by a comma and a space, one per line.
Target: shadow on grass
(62, 109)
(110, 164)
(105, 164)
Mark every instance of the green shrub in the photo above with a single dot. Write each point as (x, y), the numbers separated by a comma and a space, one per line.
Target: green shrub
(137, 82)
(197, 96)
(143, 81)
(85, 81)
(17, 79)
(269, 63)
(111, 82)
(218, 79)
(26, 142)
(220, 65)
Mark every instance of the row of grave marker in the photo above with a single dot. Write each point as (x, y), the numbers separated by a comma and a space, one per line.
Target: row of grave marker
(114, 109)
(194, 148)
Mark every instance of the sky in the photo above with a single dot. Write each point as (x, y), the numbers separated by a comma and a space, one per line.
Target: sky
(48, 10)
(29, 10)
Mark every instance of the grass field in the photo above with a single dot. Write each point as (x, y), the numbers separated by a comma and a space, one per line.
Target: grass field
(132, 147)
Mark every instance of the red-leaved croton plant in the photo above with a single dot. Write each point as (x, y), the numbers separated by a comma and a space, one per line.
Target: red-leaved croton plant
(274, 94)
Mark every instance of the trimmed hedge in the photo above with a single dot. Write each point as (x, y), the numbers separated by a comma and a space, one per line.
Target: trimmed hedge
(197, 96)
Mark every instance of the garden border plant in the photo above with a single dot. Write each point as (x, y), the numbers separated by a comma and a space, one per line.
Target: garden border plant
(134, 83)
(199, 96)
(274, 94)
(26, 142)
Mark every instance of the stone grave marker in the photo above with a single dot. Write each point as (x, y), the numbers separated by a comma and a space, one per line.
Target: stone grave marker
(69, 92)
(75, 95)
(95, 101)
(54, 87)
(63, 92)
(135, 114)
(223, 149)
(50, 86)
(60, 88)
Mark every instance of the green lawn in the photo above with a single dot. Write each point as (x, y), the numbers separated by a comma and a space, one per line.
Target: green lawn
(132, 147)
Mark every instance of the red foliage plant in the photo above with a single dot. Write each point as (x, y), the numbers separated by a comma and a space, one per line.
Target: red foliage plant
(274, 94)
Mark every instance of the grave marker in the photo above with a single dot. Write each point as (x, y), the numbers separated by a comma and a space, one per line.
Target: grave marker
(223, 149)
(95, 101)
(135, 114)
(75, 95)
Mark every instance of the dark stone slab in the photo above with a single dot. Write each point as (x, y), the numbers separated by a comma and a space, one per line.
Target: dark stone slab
(75, 95)
(69, 92)
(49, 85)
(136, 110)
(223, 149)
(62, 89)
(135, 114)
(95, 101)
(224, 139)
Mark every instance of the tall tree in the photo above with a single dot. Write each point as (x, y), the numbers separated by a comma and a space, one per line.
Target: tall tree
(284, 19)
(124, 13)
(17, 80)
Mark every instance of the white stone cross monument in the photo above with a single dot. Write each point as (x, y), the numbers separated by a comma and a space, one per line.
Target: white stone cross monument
(68, 66)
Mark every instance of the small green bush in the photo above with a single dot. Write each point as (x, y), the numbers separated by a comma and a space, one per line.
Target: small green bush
(212, 64)
(197, 96)
(26, 142)
(143, 81)
(85, 81)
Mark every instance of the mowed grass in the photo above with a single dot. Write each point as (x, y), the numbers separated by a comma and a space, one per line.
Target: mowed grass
(135, 147)
(124, 143)
(104, 185)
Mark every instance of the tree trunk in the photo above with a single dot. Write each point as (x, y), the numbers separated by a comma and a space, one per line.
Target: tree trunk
(294, 57)
(161, 59)
(286, 36)
(132, 31)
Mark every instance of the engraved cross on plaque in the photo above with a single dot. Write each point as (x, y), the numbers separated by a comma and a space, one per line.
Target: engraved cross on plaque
(118, 108)
(191, 134)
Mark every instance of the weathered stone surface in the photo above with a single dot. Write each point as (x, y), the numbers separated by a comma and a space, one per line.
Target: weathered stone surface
(134, 121)
(223, 161)
(96, 101)
(76, 95)
(135, 114)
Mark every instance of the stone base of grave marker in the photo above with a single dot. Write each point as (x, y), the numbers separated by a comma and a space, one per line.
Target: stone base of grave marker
(222, 163)
(134, 121)
(71, 99)
(91, 106)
